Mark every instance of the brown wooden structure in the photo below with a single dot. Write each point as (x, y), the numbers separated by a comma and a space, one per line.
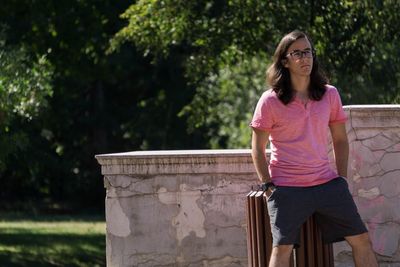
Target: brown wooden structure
(311, 253)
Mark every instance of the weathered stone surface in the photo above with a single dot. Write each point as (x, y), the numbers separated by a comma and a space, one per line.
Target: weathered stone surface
(391, 161)
(145, 163)
(190, 217)
(370, 193)
(390, 186)
(379, 210)
(362, 184)
(339, 248)
(373, 116)
(361, 134)
(118, 221)
(378, 142)
(386, 238)
(364, 161)
(186, 220)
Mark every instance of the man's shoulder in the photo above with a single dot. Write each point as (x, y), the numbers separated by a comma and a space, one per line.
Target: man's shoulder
(331, 89)
(269, 95)
(331, 92)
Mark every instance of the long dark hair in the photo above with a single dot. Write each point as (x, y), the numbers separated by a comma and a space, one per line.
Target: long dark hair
(278, 77)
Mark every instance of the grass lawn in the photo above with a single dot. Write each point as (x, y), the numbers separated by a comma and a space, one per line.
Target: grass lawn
(52, 241)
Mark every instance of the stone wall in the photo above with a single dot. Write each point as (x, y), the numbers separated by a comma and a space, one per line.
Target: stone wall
(187, 208)
(177, 208)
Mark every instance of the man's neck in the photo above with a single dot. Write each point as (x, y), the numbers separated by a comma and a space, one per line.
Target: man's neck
(300, 84)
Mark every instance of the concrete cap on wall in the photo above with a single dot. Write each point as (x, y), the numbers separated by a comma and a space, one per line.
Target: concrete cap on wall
(178, 162)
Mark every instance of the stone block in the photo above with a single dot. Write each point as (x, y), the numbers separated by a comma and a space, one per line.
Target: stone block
(385, 238)
(363, 161)
(379, 209)
(390, 186)
(378, 142)
(391, 161)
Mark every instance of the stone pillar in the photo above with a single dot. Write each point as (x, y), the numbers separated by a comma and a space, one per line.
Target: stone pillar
(177, 208)
(374, 178)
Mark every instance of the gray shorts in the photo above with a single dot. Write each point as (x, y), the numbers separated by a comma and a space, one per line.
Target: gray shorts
(335, 212)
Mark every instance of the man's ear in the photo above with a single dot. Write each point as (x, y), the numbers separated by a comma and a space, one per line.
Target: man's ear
(284, 62)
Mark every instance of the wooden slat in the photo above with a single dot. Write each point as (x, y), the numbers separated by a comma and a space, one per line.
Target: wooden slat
(259, 203)
(249, 230)
(253, 231)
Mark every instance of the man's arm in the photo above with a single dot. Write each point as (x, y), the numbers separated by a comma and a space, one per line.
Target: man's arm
(340, 147)
(258, 144)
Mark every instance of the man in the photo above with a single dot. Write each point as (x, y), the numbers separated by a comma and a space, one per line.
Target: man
(294, 116)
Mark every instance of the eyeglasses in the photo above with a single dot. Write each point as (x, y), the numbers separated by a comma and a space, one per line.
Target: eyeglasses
(298, 54)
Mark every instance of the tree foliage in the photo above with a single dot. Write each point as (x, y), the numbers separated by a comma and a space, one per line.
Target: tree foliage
(355, 40)
(224, 101)
(56, 163)
(101, 102)
(201, 30)
(25, 84)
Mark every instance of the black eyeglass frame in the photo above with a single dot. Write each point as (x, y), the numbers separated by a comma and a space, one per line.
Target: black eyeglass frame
(303, 53)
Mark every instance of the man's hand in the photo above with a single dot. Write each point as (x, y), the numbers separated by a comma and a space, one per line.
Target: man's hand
(268, 188)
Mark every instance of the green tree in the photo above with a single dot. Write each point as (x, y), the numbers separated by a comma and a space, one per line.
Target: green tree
(25, 85)
(224, 102)
(355, 40)
(101, 103)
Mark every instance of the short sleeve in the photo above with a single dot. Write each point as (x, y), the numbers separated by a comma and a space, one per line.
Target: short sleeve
(263, 117)
(337, 114)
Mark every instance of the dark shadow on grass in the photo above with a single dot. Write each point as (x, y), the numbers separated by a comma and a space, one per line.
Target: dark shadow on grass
(52, 250)
(16, 216)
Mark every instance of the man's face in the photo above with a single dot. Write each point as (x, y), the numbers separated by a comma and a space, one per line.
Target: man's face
(299, 58)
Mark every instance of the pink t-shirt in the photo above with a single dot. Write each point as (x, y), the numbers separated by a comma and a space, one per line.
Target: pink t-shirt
(299, 136)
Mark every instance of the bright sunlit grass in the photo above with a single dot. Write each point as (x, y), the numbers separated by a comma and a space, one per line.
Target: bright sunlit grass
(52, 241)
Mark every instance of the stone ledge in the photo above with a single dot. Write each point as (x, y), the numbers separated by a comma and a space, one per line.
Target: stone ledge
(235, 161)
(372, 107)
(373, 116)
